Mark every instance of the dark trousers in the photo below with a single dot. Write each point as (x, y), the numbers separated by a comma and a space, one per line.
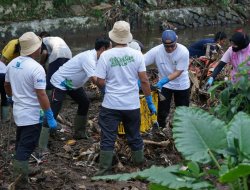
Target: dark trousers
(2, 90)
(53, 67)
(181, 98)
(78, 95)
(26, 140)
(109, 120)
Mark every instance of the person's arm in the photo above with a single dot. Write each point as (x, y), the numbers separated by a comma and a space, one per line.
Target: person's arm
(175, 74)
(145, 86)
(43, 99)
(44, 57)
(7, 87)
(218, 69)
(45, 105)
(100, 82)
(147, 91)
(93, 79)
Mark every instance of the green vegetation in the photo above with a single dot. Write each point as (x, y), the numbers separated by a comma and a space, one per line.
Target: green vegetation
(234, 98)
(215, 153)
(215, 148)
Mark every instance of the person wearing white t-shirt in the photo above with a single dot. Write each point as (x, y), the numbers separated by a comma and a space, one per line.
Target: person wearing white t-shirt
(55, 52)
(70, 79)
(172, 61)
(25, 83)
(119, 70)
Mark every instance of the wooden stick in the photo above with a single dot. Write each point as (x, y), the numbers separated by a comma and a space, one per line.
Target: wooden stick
(12, 186)
(162, 143)
(63, 121)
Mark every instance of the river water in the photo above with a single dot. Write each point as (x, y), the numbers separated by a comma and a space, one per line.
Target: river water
(80, 41)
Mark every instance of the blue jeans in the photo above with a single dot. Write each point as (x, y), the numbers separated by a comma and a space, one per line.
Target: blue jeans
(27, 138)
(109, 120)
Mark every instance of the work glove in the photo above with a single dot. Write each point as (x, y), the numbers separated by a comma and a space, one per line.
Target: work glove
(151, 105)
(209, 83)
(161, 82)
(50, 118)
(9, 99)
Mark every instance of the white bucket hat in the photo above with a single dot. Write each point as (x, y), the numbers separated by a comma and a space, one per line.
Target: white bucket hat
(121, 33)
(29, 43)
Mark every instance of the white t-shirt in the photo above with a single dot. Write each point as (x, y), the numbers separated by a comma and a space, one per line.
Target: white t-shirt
(25, 76)
(2, 67)
(57, 48)
(120, 67)
(167, 63)
(75, 72)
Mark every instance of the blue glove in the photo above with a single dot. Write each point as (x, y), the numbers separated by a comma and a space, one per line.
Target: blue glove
(139, 83)
(50, 118)
(9, 99)
(151, 106)
(209, 82)
(163, 81)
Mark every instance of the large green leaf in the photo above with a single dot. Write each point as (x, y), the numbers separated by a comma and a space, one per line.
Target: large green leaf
(162, 176)
(239, 128)
(241, 170)
(195, 132)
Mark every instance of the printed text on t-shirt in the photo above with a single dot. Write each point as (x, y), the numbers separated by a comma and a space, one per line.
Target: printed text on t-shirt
(121, 61)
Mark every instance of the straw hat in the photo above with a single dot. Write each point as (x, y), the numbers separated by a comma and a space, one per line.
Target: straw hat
(121, 33)
(29, 43)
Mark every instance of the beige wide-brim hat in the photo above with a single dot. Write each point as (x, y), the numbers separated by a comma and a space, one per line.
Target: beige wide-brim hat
(29, 43)
(120, 33)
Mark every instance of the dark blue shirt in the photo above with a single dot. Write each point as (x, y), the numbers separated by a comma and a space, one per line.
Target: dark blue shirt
(198, 48)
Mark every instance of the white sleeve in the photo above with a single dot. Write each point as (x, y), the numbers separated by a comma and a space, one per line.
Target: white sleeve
(101, 68)
(183, 62)
(149, 57)
(142, 66)
(227, 56)
(39, 78)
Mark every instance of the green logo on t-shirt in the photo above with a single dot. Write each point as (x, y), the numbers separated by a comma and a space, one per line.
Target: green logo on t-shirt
(67, 84)
(121, 61)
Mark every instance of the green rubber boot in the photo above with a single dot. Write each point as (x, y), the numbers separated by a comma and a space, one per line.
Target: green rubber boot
(43, 140)
(105, 163)
(80, 127)
(5, 113)
(138, 157)
(20, 174)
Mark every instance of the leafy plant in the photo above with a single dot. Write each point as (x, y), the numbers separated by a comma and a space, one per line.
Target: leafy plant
(203, 139)
(236, 96)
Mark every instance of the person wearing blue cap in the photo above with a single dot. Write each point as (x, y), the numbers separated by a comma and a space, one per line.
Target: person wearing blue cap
(172, 61)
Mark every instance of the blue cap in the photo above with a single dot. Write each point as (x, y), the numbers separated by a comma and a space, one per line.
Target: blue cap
(168, 37)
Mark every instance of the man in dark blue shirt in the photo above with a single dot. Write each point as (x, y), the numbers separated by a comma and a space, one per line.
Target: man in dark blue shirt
(198, 48)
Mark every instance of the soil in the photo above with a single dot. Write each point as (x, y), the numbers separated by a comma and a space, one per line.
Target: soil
(72, 166)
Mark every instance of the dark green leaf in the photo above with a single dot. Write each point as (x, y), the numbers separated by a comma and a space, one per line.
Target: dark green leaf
(195, 132)
(239, 128)
(241, 170)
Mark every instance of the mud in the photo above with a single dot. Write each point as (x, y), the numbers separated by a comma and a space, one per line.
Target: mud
(69, 167)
